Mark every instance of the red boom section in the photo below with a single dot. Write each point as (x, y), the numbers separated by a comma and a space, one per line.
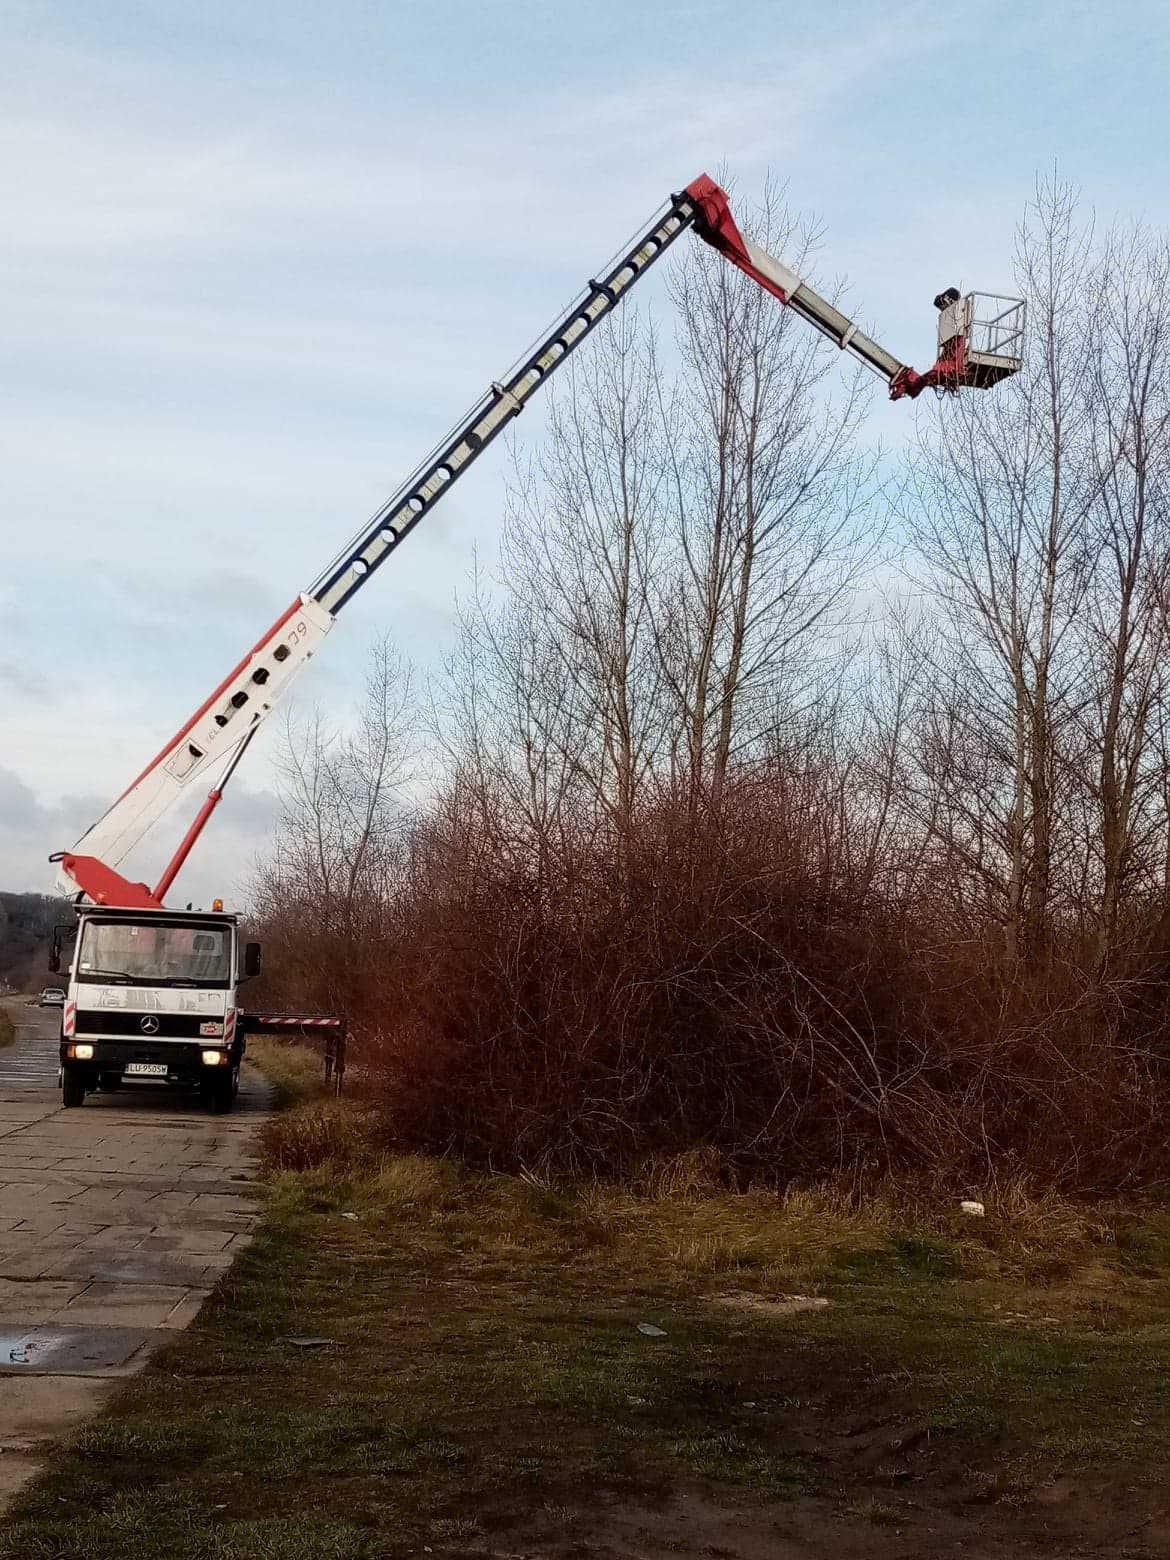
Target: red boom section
(721, 231)
(105, 886)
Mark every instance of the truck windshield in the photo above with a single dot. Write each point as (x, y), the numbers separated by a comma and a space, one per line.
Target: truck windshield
(147, 954)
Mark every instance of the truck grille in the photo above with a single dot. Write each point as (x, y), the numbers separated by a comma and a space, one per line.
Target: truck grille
(171, 1026)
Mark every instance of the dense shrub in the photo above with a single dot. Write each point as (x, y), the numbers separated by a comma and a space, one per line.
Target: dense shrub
(730, 985)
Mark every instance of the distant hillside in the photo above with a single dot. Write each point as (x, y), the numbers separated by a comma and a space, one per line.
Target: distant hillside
(26, 931)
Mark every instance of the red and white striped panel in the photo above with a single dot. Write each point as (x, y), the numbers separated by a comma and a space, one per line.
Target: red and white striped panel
(229, 1026)
(69, 1019)
(291, 1018)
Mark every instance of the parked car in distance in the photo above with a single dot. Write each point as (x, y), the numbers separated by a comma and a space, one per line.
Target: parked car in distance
(52, 996)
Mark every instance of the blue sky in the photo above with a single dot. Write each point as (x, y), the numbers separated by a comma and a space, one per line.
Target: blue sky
(256, 258)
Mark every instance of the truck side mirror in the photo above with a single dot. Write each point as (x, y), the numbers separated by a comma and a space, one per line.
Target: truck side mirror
(251, 959)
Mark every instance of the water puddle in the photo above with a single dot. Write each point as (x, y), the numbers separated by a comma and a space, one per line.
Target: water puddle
(29, 1348)
(67, 1351)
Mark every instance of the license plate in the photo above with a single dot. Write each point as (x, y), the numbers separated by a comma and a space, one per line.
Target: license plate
(146, 1069)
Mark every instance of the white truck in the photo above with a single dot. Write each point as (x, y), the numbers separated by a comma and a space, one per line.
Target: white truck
(153, 994)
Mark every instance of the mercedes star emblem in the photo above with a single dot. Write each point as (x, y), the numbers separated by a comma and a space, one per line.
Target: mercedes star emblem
(149, 1025)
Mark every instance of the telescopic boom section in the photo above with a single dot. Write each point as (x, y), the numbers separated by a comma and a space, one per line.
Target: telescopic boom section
(225, 723)
(715, 223)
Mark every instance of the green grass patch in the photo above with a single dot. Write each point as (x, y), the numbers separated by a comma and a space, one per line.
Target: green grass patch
(485, 1382)
(171, 1526)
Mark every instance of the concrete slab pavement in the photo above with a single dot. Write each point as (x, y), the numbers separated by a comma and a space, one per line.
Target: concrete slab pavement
(116, 1220)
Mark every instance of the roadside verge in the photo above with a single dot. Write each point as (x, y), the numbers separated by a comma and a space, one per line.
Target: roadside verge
(411, 1357)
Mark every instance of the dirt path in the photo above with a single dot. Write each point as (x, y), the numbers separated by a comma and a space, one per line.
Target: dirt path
(115, 1222)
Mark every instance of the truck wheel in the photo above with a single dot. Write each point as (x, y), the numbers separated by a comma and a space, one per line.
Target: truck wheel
(219, 1094)
(72, 1088)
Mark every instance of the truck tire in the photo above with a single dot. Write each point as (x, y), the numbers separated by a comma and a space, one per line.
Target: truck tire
(219, 1093)
(72, 1088)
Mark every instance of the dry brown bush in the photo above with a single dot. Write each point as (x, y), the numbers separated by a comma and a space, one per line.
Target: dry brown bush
(719, 1001)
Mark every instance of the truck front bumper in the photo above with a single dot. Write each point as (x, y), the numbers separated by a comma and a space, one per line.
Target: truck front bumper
(183, 1059)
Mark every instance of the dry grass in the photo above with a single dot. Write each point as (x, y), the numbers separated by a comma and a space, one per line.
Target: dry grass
(296, 1071)
(337, 1138)
(680, 1219)
(7, 1028)
(414, 1184)
(809, 1231)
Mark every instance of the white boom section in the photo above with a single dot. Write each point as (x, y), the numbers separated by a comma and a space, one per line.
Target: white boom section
(218, 726)
(818, 312)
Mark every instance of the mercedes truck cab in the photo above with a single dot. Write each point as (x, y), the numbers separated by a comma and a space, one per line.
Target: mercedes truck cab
(152, 997)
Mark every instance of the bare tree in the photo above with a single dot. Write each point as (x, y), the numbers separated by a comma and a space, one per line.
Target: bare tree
(583, 546)
(1000, 518)
(505, 719)
(1124, 624)
(339, 822)
(770, 499)
(1041, 528)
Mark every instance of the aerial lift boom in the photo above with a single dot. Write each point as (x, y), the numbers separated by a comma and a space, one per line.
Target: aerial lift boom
(972, 352)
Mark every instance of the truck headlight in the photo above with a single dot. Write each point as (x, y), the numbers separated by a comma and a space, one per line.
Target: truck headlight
(82, 1053)
(213, 1058)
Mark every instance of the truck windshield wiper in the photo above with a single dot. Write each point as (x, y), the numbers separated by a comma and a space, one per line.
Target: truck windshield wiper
(123, 975)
